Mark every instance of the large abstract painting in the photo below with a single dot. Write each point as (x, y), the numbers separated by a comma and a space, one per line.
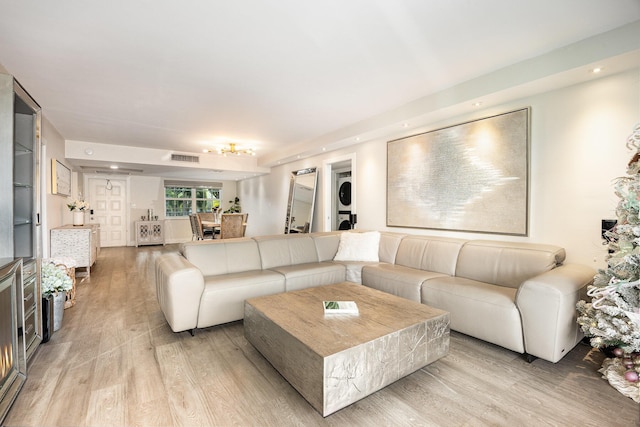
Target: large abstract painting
(468, 177)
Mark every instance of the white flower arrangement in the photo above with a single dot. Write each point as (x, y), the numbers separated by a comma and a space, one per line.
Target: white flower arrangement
(54, 280)
(78, 205)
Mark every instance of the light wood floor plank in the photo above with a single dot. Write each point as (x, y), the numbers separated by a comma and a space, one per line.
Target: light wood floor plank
(186, 398)
(107, 406)
(116, 362)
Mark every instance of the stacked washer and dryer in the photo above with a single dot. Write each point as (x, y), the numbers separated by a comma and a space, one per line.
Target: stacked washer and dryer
(344, 201)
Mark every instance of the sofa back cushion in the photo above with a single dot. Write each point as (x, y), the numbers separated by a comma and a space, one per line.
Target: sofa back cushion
(436, 254)
(389, 244)
(506, 263)
(326, 244)
(214, 257)
(286, 249)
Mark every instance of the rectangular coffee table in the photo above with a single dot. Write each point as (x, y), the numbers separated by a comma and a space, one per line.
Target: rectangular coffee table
(335, 360)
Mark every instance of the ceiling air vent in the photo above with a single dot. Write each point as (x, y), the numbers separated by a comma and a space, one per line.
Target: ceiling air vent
(109, 171)
(184, 158)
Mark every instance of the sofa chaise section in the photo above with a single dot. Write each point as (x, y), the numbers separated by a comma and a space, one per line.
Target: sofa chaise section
(516, 295)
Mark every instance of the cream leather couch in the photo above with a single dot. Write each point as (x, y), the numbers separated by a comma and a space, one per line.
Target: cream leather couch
(516, 295)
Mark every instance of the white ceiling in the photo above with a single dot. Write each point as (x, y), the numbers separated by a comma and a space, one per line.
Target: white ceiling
(279, 75)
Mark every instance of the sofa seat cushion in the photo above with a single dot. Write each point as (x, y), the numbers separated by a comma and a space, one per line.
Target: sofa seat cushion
(478, 309)
(354, 270)
(223, 296)
(396, 279)
(301, 276)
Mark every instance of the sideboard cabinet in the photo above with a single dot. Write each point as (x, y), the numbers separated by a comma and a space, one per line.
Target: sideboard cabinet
(149, 232)
(80, 242)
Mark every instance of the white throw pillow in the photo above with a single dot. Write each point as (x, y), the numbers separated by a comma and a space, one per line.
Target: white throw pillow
(358, 246)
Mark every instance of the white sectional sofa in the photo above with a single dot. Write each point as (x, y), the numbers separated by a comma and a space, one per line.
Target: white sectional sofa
(516, 295)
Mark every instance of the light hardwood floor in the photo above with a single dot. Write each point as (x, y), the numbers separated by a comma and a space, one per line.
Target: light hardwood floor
(115, 362)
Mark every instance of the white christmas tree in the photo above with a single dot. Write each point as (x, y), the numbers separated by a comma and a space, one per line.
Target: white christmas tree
(612, 318)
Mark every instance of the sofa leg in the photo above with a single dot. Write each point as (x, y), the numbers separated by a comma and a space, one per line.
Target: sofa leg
(529, 358)
(192, 332)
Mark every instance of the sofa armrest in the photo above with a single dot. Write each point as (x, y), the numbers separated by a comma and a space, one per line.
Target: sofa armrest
(547, 305)
(179, 288)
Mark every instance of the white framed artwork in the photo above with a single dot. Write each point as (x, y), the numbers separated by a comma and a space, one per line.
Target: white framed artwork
(60, 179)
(469, 177)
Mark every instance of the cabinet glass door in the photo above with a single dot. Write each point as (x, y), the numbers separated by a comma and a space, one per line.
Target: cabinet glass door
(26, 118)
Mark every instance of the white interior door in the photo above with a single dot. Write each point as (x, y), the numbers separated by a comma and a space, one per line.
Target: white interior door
(108, 200)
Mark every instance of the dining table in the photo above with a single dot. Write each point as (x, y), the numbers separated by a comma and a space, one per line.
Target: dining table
(210, 224)
(213, 224)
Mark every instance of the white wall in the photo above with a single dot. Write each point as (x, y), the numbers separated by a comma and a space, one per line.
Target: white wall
(54, 207)
(578, 140)
(265, 199)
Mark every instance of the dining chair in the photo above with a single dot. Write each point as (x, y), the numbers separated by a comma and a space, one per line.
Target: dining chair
(244, 224)
(203, 232)
(210, 217)
(195, 235)
(231, 225)
(206, 216)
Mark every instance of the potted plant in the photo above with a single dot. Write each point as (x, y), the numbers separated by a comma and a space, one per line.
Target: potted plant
(235, 206)
(55, 283)
(78, 207)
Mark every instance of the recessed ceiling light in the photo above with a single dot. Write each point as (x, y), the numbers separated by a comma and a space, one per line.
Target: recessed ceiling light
(405, 125)
(88, 151)
(357, 138)
(476, 104)
(596, 70)
(114, 166)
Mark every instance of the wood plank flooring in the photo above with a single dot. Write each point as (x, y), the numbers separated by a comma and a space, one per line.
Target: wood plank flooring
(115, 362)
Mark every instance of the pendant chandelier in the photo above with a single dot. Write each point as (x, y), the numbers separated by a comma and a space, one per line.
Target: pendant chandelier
(233, 149)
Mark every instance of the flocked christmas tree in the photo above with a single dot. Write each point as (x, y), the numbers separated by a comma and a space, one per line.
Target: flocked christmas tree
(612, 318)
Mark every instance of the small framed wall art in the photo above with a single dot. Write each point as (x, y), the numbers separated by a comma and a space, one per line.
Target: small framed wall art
(60, 179)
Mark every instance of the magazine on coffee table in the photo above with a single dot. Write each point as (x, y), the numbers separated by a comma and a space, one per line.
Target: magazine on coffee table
(340, 307)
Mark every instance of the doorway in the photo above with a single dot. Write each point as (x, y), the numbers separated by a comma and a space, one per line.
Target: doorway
(343, 219)
(339, 193)
(108, 207)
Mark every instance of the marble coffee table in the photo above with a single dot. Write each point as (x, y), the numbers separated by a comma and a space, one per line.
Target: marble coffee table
(335, 360)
